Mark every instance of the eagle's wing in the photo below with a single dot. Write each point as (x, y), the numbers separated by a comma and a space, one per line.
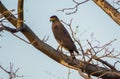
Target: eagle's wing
(64, 37)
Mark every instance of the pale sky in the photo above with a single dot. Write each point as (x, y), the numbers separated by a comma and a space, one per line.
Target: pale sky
(35, 65)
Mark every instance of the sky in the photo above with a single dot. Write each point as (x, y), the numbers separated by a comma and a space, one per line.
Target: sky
(32, 63)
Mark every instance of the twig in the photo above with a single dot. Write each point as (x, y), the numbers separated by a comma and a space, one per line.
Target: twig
(68, 77)
(12, 74)
(100, 60)
(12, 30)
(21, 38)
(75, 8)
(102, 47)
(45, 38)
(116, 63)
(4, 69)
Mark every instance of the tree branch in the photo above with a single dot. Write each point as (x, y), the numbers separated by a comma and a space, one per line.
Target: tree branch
(60, 58)
(100, 60)
(11, 72)
(20, 13)
(109, 9)
(75, 8)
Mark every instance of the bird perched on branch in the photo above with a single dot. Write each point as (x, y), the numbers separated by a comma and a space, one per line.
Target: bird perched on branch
(62, 36)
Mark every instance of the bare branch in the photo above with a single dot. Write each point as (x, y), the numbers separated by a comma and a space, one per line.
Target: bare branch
(100, 60)
(11, 72)
(12, 30)
(4, 69)
(68, 76)
(21, 38)
(116, 63)
(75, 8)
(45, 38)
(104, 46)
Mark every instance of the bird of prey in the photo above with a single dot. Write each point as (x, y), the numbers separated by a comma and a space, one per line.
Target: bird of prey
(62, 36)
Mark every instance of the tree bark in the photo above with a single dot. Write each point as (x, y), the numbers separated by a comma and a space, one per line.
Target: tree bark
(61, 58)
(109, 9)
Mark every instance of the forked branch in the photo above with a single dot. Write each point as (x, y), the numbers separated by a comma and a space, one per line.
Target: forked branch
(74, 9)
(12, 73)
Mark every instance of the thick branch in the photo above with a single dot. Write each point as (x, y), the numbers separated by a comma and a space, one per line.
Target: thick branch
(109, 9)
(20, 13)
(60, 58)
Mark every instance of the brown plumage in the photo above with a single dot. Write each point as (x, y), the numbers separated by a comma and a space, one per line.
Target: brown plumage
(62, 36)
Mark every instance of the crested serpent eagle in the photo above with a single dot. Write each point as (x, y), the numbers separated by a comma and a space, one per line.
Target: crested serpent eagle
(62, 36)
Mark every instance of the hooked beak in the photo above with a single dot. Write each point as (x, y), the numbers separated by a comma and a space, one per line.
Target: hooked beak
(51, 19)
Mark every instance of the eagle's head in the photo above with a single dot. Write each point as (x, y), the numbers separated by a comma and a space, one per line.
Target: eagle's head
(54, 18)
